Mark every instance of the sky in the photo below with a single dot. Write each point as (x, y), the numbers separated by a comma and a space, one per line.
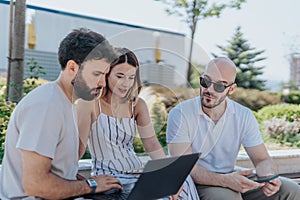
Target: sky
(270, 25)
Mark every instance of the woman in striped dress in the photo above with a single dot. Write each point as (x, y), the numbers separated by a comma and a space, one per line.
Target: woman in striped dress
(109, 125)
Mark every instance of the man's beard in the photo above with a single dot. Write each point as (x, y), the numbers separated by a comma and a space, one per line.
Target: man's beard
(210, 106)
(82, 90)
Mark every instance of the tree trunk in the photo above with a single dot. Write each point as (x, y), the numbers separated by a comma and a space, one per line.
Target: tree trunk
(17, 61)
(189, 72)
(11, 12)
(193, 26)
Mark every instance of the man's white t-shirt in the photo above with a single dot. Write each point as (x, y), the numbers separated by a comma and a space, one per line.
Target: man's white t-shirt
(187, 123)
(44, 121)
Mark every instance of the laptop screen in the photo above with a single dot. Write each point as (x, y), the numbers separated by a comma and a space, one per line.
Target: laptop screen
(163, 177)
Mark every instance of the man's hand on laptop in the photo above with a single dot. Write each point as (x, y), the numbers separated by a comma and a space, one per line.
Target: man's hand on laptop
(107, 182)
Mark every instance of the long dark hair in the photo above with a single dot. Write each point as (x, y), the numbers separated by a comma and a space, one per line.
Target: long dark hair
(127, 56)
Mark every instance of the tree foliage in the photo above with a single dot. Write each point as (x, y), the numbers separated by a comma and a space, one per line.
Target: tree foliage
(245, 58)
(191, 11)
(197, 70)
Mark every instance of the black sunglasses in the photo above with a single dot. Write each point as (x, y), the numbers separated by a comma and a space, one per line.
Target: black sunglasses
(218, 87)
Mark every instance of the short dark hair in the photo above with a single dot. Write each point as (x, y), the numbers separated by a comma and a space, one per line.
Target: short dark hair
(83, 44)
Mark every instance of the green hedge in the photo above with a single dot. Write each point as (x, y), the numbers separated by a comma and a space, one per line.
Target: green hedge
(255, 99)
(290, 111)
(293, 97)
(281, 123)
(166, 98)
(5, 112)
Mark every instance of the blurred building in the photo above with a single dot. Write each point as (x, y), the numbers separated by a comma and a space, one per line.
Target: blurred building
(161, 53)
(295, 69)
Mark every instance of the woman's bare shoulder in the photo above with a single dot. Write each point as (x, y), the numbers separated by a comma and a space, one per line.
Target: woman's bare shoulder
(141, 106)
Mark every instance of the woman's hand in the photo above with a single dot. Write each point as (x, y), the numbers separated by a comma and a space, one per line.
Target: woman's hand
(175, 196)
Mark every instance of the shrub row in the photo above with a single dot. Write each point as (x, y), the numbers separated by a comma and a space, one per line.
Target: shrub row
(278, 121)
(293, 97)
(283, 131)
(290, 112)
(255, 99)
(5, 112)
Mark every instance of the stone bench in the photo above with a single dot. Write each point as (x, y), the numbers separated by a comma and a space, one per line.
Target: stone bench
(288, 162)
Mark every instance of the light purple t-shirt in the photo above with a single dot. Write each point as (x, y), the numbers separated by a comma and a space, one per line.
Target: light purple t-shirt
(44, 121)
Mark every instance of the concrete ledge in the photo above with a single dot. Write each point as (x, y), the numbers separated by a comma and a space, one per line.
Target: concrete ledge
(84, 168)
(288, 161)
(84, 164)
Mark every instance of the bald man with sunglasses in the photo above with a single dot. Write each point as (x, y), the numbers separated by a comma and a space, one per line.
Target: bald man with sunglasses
(217, 127)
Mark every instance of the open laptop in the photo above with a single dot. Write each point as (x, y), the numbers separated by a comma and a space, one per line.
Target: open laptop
(163, 177)
(160, 178)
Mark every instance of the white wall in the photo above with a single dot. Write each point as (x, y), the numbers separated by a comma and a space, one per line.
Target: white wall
(4, 32)
(51, 26)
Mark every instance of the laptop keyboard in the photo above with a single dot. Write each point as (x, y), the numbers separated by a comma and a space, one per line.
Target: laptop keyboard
(123, 195)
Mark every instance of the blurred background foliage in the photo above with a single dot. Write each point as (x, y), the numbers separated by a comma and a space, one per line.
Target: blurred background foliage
(279, 121)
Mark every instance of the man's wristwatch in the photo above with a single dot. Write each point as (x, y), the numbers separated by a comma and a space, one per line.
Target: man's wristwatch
(93, 184)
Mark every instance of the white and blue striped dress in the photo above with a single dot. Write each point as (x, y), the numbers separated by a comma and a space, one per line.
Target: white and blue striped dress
(111, 147)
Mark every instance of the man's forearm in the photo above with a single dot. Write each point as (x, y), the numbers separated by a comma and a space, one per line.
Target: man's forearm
(53, 187)
(204, 177)
(38, 180)
(266, 167)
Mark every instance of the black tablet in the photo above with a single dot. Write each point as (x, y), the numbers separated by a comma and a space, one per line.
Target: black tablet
(262, 179)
